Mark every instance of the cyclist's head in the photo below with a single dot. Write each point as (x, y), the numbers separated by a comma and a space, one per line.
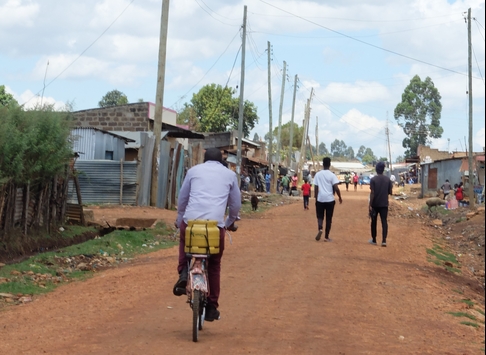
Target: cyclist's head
(213, 154)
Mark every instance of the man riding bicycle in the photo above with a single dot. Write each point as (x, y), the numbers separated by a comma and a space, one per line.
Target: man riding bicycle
(205, 193)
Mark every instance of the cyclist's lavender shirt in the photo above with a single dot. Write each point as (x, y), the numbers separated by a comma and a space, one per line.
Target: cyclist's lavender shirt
(206, 191)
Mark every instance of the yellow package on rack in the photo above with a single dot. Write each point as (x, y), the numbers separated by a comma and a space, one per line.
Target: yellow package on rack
(202, 237)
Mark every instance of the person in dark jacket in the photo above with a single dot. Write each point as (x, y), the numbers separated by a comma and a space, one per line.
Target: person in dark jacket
(380, 187)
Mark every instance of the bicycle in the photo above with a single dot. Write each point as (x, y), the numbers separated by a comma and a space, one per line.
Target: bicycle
(202, 240)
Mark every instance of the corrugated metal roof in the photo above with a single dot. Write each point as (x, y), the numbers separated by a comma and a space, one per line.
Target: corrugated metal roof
(135, 136)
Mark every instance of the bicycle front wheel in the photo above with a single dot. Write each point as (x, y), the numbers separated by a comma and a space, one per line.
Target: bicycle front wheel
(196, 315)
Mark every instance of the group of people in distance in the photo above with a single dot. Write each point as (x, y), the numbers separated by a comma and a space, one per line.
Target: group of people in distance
(455, 200)
(210, 189)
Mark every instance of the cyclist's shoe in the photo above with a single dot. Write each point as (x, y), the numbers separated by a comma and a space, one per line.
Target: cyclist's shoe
(232, 228)
(372, 242)
(211, 313)
(319, 235)
(180, 286)
(383, 244)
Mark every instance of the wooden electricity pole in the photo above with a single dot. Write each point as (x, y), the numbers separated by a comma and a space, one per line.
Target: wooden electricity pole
(279, 132)
(273, 187)
(241, 106)
(388, 140)
(291, 133)
(470, 155)
(305, 133)
(159, 98)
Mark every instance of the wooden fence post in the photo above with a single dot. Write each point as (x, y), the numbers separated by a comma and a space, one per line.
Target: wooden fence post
(121, 181)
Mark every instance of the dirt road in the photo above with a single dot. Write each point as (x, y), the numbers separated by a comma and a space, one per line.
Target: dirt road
(282, 293)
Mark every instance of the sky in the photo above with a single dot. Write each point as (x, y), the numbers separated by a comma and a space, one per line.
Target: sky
(356, 56)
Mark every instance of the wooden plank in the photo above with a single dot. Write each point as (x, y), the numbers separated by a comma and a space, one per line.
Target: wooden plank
(78, 193)
(163, 177)
(121, 181)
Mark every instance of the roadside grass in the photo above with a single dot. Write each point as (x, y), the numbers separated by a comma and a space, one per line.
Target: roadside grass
(462, 314)
(266, 202)
(468, 302)
(470, 324)
(441, 257)
(45, 271)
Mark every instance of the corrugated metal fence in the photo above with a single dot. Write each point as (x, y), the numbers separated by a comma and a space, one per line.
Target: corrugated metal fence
(105, 181)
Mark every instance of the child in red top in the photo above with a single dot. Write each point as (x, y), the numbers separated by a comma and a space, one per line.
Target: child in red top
(306, 188)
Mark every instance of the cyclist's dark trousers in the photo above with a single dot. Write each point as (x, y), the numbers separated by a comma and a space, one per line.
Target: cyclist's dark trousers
(326, 208)
(214, 264)
(383, 212)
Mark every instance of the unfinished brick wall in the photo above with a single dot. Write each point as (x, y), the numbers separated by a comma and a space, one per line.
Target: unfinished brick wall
(131, 117)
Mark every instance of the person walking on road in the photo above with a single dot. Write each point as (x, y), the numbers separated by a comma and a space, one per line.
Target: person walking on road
(306, 189)
(347, 180)
(355, 181)
(285, 184)
(380, 187)
(206, 191)
(326, 184)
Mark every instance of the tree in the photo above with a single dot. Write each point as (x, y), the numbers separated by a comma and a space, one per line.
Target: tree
(419, 114)
(400, 159)
(361, 152)
(368, 156)
(113, 98)
(187, 116)
(338, 148)
(216, 110)
(285, 138)
(323, 149)
(349, 153)
(7, 99)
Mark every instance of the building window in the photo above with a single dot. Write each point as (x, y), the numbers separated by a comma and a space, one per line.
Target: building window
(108, 155)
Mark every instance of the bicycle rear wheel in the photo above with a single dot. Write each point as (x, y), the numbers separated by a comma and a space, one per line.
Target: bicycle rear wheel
(196, 315)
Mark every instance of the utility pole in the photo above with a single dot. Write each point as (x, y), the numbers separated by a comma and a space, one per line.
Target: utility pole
(470, 156)
(291, 133)
(305, 132)
(242, 91)
(159, 97)
(388, 140)
(273, 186)
(284, 74)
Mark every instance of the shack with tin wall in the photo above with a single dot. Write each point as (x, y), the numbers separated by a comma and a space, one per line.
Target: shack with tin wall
(95, 144)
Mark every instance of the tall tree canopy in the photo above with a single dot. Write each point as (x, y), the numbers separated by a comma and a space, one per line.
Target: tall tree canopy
(6, 99)
(419, 114)
(338, 148)
(285, 137)
(323, 149)
(113, 98)
(368, 156)
(361, 152)
(214, 109)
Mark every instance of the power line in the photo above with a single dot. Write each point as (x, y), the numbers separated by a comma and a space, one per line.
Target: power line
(209, 13)
(84, 51)
(212, 66)
(366, 43)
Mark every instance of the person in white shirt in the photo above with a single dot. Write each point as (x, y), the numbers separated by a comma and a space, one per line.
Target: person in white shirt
(325, 186)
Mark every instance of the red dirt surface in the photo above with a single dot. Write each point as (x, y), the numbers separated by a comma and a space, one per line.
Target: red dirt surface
(282, 293)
